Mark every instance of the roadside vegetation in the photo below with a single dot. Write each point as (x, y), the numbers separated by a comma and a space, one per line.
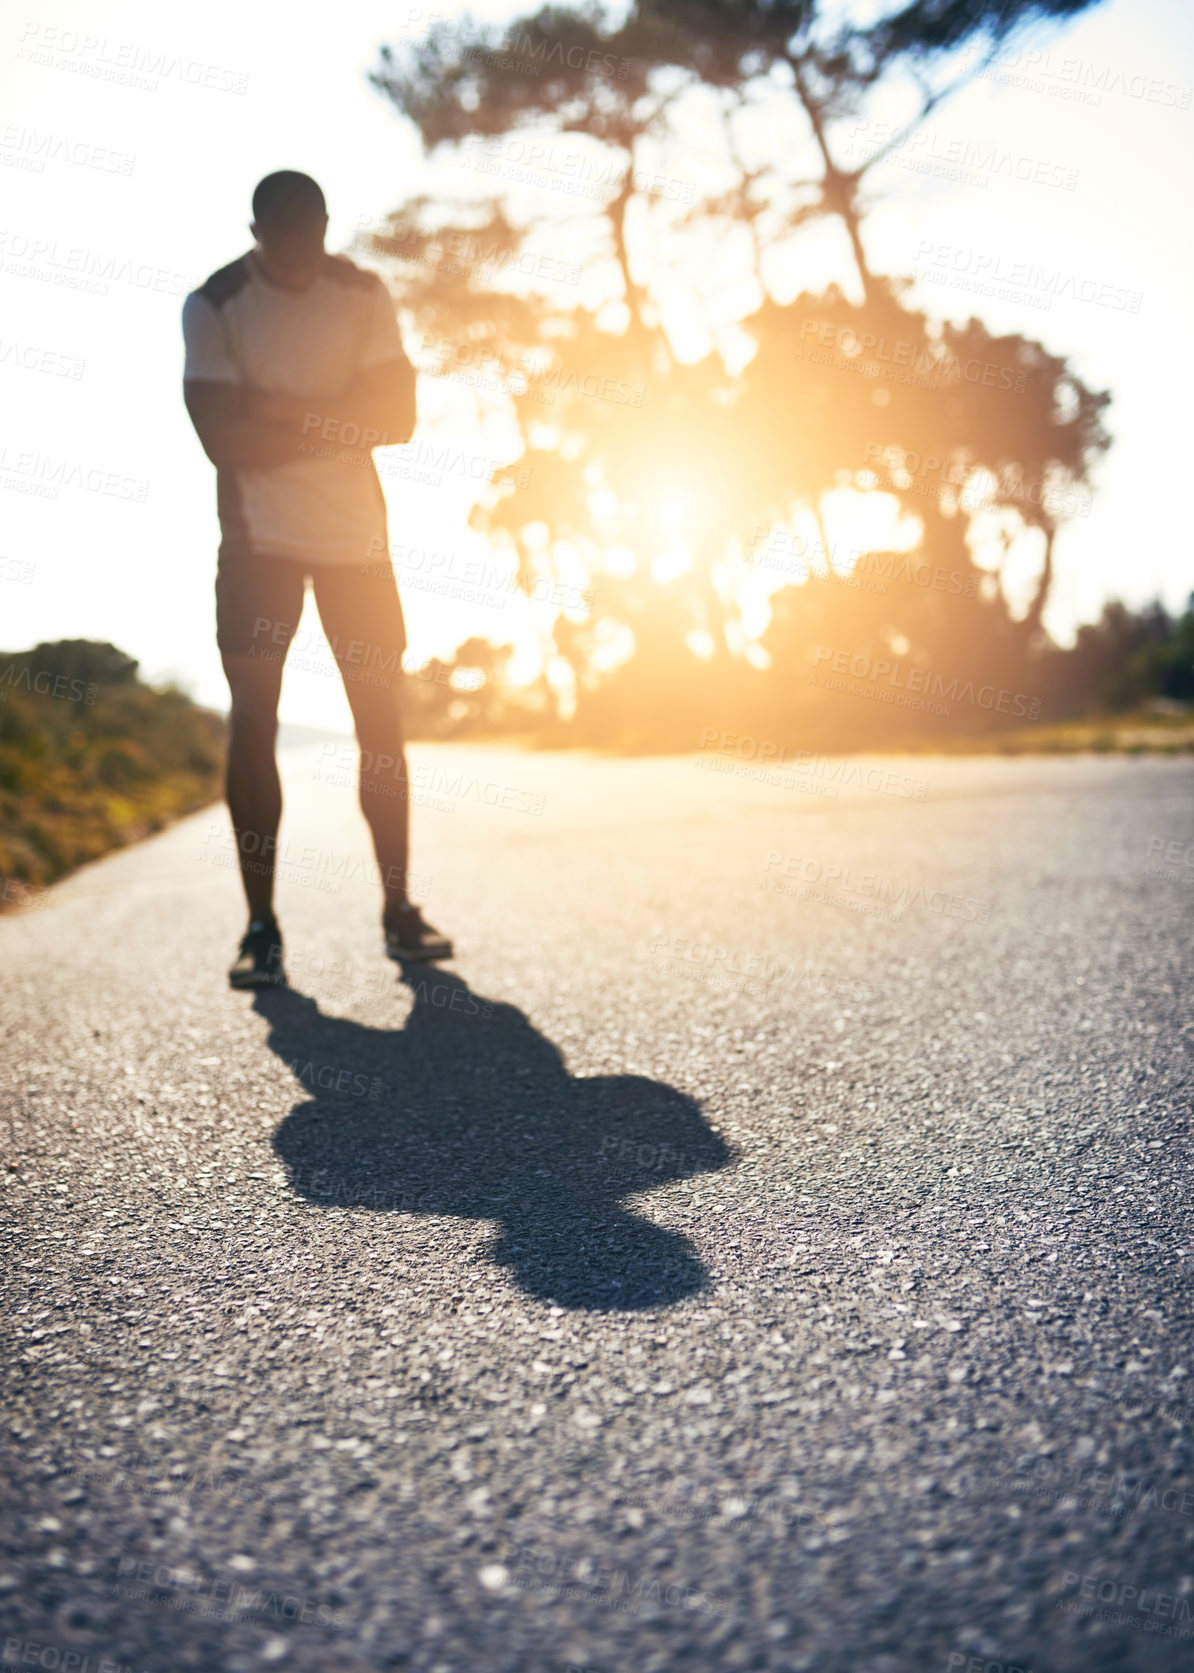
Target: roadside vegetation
(92, 758)
(1126, 683)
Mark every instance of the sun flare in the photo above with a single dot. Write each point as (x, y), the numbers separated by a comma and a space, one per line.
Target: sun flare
(674, 513)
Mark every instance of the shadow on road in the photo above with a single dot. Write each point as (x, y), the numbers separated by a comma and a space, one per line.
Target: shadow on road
(467, 1110)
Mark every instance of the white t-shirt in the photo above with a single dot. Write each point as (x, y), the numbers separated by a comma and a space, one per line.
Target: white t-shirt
(239, 328)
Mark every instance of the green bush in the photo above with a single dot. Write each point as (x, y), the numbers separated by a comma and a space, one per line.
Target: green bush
(91, 757)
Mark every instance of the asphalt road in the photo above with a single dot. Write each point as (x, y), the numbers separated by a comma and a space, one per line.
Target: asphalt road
(727, 1262)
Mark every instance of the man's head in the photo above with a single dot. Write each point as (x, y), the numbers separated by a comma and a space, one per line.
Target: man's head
(290, 220)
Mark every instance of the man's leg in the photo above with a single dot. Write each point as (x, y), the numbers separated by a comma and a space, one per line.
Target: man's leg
(258, 604)
(253, 788)
(362, 617)
(384, 785)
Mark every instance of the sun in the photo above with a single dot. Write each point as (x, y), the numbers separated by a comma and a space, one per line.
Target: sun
(674, 514)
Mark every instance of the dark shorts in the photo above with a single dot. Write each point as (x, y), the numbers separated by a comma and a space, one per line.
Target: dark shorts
(259, 600)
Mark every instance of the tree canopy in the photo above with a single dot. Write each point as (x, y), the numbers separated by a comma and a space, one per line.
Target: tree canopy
(697, 413)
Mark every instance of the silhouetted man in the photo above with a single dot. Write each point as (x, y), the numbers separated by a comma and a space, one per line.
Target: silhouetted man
(295, 371)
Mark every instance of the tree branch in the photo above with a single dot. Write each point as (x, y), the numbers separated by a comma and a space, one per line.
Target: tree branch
(1032, 621)
(838, 186)
(931, 101)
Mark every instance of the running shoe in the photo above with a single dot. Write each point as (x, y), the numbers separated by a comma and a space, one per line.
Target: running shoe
(410, 936)
(259, 962)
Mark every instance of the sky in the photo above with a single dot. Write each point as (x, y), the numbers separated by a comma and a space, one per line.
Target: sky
(131, 140)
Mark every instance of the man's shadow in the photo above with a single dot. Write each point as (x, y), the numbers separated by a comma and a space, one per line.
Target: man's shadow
(467, 1110)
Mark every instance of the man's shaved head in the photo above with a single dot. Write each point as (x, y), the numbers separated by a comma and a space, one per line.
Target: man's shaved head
(288, 199)
(290, 220)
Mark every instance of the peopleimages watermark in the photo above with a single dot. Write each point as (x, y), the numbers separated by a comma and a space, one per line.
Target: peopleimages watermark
(360, 661)
(988, 274)
(855, 361)
(157, 1478)
(531, 54)
(520, 52)
(1172, 861)
(14, 892)
(594, 1581)
(479, 580)
(77, 267)
(715, 965)
(933, 363)
(458, 252)
(1076, 79)
(327, 1077)
(869, 572)
(44, 683)
(126, 63)
(44, 476)
(567, 170)
(228, 1600)
(973, 487)
(960, 1662)
(344, 442)
(774, 547)
(1108, 1492)
(834, 774)
(316, 1074)
(885, 567)
(630, 1156)
(324, 869)
(32, 357)
(866, 892)
(340, 980)
(1148, 1608)
(27, 149)
(360, 1188)
(972, 161)
(52, 1658)
(395, 779)
(479, 366)
(662, 1495)
(892, 681)
(449, 784)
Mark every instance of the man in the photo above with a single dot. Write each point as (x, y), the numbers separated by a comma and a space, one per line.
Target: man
(286, 347)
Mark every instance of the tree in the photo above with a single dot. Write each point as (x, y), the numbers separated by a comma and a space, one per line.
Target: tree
(677, 453)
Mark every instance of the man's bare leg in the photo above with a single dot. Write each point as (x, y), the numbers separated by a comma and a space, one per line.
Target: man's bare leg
(385, 802)
(253, 788)
(384, 784)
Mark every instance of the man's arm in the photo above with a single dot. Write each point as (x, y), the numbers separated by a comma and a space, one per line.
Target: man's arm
(377, 409)
(231, 436)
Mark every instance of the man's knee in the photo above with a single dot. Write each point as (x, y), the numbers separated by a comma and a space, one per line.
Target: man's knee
(252, 724)
(382, 768)
(254, 688)
(379, 728)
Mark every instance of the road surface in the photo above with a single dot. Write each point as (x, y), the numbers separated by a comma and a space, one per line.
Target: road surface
(766, 1246)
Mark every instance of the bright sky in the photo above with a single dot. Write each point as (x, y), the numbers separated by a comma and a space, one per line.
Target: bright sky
(152, 182)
